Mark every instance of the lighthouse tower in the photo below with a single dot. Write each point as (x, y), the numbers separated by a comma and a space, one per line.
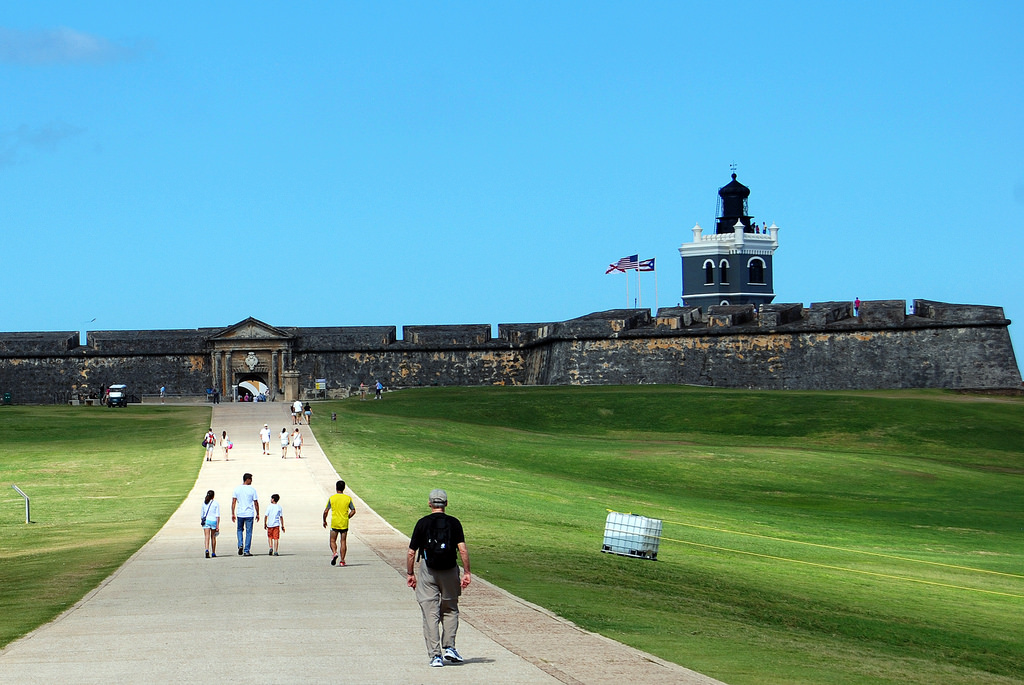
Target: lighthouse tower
(733, 265)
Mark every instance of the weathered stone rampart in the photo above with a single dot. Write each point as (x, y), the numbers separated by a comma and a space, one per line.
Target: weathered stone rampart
(780, 346)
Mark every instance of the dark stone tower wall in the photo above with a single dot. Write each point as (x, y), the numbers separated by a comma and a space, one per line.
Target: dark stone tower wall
(776, 346)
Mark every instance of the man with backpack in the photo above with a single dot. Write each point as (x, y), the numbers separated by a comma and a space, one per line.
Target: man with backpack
(433, 573)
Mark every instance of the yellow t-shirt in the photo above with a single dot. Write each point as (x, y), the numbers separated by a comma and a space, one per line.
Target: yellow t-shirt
(340, 506)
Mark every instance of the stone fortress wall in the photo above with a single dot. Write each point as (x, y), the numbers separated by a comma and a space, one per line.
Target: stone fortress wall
(779, 346)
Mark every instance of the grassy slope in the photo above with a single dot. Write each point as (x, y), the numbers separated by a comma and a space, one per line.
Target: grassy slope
(739, 479)
(102, 482)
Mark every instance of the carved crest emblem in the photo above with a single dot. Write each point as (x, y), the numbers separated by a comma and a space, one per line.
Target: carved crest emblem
(251, 360)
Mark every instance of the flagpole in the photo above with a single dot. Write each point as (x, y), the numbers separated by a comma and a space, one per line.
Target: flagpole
(639, 293)
(655, 291)
(627, 289)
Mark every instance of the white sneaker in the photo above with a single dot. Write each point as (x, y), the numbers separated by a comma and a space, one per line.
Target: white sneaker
(437, 661)
(451, 656)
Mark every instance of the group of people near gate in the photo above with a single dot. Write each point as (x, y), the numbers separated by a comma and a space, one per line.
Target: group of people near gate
(245, 509)
(293, 440)
(432, 571)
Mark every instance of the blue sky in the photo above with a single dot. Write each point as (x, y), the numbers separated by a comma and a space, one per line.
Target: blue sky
(191, 164)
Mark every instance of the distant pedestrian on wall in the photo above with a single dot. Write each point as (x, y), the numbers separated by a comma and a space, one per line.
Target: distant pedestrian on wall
(856, 307)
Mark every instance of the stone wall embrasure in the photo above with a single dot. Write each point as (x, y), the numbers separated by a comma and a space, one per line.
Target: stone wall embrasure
(781, 346)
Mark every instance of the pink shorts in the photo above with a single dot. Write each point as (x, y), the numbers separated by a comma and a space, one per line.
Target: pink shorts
(274, 533)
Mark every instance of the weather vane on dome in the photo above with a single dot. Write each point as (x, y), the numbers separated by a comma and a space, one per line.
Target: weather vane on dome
(732, 167)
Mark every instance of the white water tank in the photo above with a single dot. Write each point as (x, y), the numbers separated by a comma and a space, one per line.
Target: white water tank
(631, 535)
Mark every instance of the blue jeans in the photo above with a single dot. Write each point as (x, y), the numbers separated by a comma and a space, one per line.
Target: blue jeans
(246, 522)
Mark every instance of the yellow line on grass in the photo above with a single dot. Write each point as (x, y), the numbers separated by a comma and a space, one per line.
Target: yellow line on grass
(844, 549)
(841, 568)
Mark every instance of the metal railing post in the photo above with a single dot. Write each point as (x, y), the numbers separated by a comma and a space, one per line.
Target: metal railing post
(28, 510)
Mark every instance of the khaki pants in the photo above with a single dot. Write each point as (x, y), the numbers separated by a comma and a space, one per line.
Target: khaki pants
(438, 594)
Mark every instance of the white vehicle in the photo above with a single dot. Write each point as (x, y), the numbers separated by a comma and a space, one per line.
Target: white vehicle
(117, 396)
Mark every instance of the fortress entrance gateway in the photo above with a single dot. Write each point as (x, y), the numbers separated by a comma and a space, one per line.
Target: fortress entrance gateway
(255, 386)
(251, 356)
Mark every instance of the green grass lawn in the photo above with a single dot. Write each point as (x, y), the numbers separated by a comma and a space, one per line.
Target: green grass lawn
(808, 537)
(102, 482)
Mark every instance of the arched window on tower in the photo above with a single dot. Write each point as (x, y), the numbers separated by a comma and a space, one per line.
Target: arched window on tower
(709, 272)
(724, 270)
(755, 268)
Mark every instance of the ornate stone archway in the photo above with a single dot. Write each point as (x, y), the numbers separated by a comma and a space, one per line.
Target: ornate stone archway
(249, 349)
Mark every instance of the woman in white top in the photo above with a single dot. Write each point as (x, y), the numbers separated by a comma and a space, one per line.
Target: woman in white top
(284, 443)
(297, 443)
(210, 519)
(225, 442)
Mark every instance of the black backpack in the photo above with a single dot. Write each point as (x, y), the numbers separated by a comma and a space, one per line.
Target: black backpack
(438, 550)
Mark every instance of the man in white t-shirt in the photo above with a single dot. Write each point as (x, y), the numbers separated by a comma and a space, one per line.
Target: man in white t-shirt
(265, 438)
(296, 412)
(245, 507)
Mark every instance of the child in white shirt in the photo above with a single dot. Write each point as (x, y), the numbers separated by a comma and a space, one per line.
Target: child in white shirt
(273, 523)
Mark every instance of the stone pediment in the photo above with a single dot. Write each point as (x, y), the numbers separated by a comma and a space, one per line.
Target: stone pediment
(250, 329)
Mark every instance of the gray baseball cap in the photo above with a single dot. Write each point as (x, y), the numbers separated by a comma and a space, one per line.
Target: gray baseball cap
(438, 496)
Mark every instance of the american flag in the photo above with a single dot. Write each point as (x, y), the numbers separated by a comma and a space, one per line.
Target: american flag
(625, 264)
(646, 265)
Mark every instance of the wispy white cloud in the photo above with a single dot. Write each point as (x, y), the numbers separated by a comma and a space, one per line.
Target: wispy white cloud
(62, 46)
(13, 144)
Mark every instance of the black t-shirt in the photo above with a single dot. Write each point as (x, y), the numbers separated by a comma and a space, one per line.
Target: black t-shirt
(421, 532)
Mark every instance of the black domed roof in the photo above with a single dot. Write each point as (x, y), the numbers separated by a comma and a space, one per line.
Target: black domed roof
(734, 189)
(732, 207)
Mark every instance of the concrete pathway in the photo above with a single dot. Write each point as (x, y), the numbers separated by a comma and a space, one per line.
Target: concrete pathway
(169, 614)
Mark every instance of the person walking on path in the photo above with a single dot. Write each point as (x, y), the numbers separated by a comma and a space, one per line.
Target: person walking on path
(265, 438)
(296, 412)
(297, 443)
(378, 389)
(210, 441)
(341, 508)
(210, 521)
(435, 577)
(307, 411)
(273, 523)
(245, 507)
(225, 442)
(284, 443)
